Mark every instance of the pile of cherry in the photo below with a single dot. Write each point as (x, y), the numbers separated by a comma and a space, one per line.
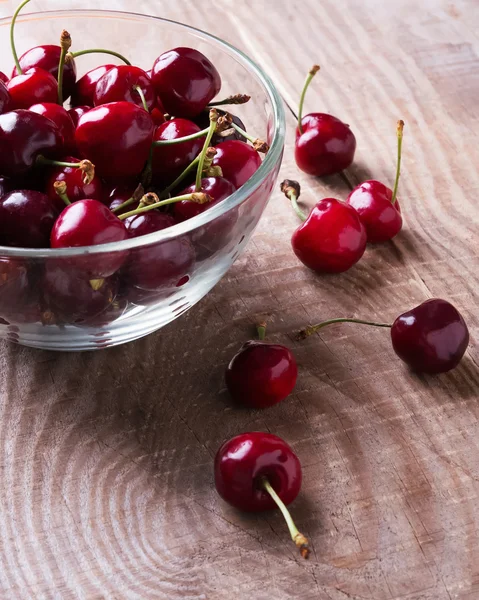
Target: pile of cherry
(139, 151)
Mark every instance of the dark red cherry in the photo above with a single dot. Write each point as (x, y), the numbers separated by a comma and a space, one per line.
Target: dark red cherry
(89, 223)
(5, 100)
(203, 121)
(62, 120)
(84, 90)
(3, 77)
(77, 112)
(163, 265)
(170, 161)
(118, 195)
(34, 86)
(186, 81)
(24, 135)
(242, 462)
(430, 338)
(218, 188)
(238, 161)
(14, 285)
(117, 138)
(26, 219)
(119, 83)
(76, 188)
(48, 58)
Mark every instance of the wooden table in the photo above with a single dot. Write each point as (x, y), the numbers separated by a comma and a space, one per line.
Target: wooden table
(106, 458)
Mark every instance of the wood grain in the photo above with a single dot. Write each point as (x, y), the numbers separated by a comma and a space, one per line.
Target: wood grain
(106, 458)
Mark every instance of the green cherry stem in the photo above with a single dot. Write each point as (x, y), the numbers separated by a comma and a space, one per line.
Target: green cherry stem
(65, 45)
(60, 188)
(258, 144)
(261, 329)
(399, 133)
(292, 190)
(100, 51)
(298, 538)
(12, 36)
(314, 69)
(307, 331)
(86, 166)
(198, 197)
(201, 162)
(180, 140)
(140, 92)
(180, 177)
(136, 197)
(235, 99)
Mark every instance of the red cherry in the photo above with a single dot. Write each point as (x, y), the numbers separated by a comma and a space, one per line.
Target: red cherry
(118, 195)
(185, 80)
(119, 83)
(76, 188)
(26, 219)
(84, 90)
(117, 138)
(218, 188)
(48, 58)
(430, 338)
(77, 112)
(34, 86)
(62, 120)
(332, 238)
(3, 77)
(157, 116)
(237, 160)
(261, 374)
(5, 100)
(87, 223)
(169, 161)
(376, 204)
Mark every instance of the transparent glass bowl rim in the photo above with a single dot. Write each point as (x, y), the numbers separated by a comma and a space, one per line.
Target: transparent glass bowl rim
(238, 197)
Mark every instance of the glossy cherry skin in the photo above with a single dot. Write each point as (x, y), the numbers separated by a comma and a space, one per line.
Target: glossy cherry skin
(160, 266)
(118, 83)
(325, 147)
(89, 223)
(62, 120)
(242, 461)
(117, 138)
(430, 338)
(238, 161)
(34, 86)
(25, 135)
(5, 100)
(261, 374)
(185, 80)
(84, 90)
(48, 58)
(381, 218)
(26, 219)
(77, 112)
(170, 161)
(332, 239)
(76, 188)
(218, 188)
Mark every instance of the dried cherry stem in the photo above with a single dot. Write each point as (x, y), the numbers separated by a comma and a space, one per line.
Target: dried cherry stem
(399, 133)
(198, 197)
(65, 45)
(86, 166)
(312, 72)
(12, 36)
(136, 197)
(292, 190)
(307, 331)
(100, 51)
(259, 145)
(261, 329)
(140, 92)
(201, 162)
(60, 188)
(298, 538)
(180, 140)
(234, 99)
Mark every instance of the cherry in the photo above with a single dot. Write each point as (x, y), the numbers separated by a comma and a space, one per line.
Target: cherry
(77, 112)
(62, 120)
(123, 198)
(33, 86)
(117, 138)
(6, 185)
(76, 187)
(185, 80)
(218, 188)
(5, 101)
(3, 77)
(259, 471)
(84, 90)
(261, 374)
(127, 83)
(202, 120)
(376, 204)
(332, 238)
(157, 116)
(324, 144)
(238, 161)
(26, 219)
(87, 223)
(24, 135)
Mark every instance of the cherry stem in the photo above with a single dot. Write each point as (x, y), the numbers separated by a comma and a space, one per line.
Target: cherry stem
(235, 99)
(198, 197)
(292, 190)
(180, 177)
(100, 51)
(399, 133)
(86, 166)
(65, 45)
(258, 144)
(12, 36)
(298, 538)
(261, 329)
(140, 92)
(314, 69)
(307, 331)
(180, 140)
(136, 197)
(60, 188)
(211, 130)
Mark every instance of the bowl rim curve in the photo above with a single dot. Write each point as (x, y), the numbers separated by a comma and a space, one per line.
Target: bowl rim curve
(238, 197)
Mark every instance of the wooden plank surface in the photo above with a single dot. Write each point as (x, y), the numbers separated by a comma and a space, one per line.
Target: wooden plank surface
(106, 458)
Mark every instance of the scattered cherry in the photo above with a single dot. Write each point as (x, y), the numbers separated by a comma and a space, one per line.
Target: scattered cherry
(84, 90)
(127, 83)
(62, 120)
(238, 161)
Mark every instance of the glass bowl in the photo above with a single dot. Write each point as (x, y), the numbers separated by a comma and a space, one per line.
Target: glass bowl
(42, 302)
